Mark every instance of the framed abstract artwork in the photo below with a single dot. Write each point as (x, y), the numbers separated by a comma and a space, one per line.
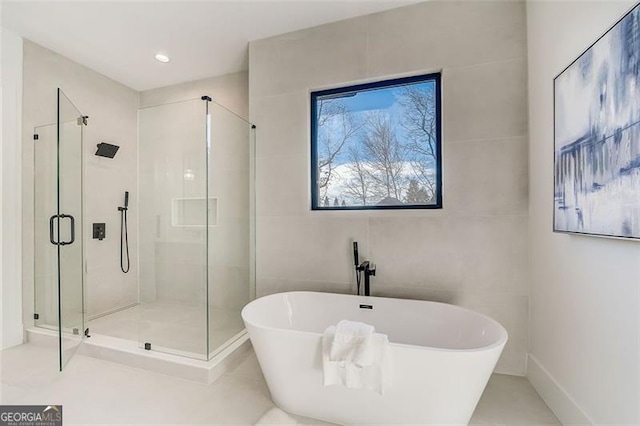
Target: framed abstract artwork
(597, 136)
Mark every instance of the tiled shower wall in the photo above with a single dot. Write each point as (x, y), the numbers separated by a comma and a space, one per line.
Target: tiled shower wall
(172, 258)
(471, 253)
(112, 110)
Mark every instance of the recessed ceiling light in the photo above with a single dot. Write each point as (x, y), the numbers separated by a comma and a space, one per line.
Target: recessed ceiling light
(162, 57)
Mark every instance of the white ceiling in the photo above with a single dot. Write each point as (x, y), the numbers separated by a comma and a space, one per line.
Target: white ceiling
(203, 38)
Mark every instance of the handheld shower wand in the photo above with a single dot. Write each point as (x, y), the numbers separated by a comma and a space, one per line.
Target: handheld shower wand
(355, 254)
(124, 235)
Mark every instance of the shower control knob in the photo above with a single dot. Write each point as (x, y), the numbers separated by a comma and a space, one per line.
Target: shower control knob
(99, 231)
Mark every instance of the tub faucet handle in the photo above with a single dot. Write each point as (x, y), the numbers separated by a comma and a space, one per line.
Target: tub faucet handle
(372, 269)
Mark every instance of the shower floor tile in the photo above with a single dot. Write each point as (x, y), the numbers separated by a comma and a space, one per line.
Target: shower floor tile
(174, 327)
(95, 391)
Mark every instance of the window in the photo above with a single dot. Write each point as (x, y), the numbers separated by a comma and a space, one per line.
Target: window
(377, 145)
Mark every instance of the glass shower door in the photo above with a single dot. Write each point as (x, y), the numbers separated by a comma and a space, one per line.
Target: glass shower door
(65, 229)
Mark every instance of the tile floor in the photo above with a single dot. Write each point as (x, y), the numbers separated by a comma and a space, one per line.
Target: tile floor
(94, 391)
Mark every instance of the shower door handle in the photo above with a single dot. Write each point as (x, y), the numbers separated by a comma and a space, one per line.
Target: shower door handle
(51, 219)
(73, 229)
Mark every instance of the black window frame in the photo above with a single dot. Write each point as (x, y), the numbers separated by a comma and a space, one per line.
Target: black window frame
(382, 84)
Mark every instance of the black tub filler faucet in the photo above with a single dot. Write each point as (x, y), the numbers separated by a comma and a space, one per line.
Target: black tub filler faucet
(366, 268)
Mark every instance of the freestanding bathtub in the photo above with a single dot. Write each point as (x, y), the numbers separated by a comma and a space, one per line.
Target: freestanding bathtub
(441, 357)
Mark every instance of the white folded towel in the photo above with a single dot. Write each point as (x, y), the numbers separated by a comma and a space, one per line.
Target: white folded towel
(365, 366)
(352, 342)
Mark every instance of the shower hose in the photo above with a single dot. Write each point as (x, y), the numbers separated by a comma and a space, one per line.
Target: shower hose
(124, 241)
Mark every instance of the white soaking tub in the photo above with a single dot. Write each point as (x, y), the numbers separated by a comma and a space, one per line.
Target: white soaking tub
(441, 357)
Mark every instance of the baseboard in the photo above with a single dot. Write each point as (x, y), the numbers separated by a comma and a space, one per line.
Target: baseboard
(555, 396)
(12, 336)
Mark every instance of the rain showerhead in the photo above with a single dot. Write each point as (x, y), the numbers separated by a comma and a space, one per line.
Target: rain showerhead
(107, 150)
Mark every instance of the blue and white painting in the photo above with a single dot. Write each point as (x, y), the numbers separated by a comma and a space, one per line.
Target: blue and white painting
(597, 136)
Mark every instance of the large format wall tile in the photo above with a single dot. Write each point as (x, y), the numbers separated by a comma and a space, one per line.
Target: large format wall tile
(229, 242)
(230, 90)
(228, 287)
(308, 248)
(485, 101)
(268, 286)
(473, 253)
(147, 276)
(441, 34)
(494, 249)
(282, 124)
(230, 142)
(417, 252)
(486, 177)
(309, 58)
(282, 185)
(109, 290)
(181, 283)
(231, 187)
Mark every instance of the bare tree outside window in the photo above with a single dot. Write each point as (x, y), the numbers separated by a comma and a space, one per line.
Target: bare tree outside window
(339, 126)
(377, 145)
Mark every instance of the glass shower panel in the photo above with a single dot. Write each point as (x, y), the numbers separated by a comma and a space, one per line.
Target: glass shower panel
(172, 217)
(45, 205)
(230, 256)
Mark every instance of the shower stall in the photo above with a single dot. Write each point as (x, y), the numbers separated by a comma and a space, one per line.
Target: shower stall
(194, 210)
